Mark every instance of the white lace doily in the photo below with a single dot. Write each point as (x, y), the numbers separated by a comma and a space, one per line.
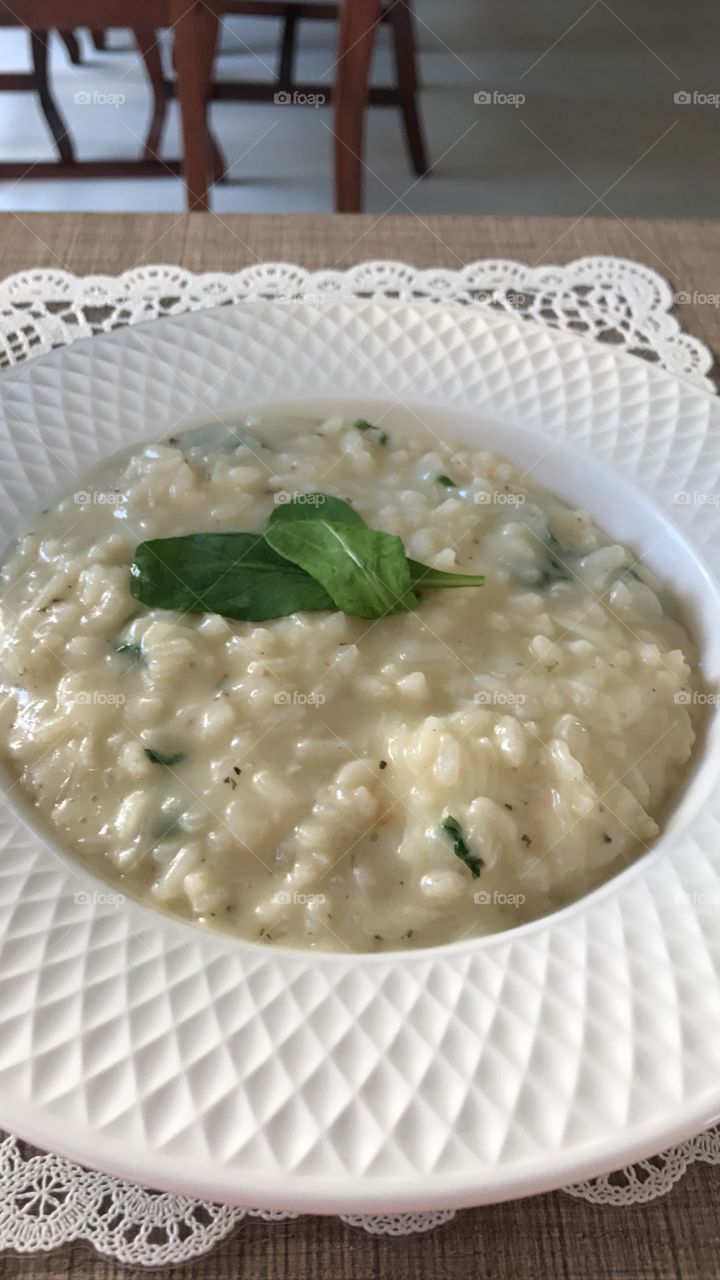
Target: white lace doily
(609, 299)
(45, 1200)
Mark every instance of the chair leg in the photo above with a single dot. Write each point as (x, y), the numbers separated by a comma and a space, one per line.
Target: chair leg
(56, 124)
(146, 41)
(70, 41)
(358, 21)
(218, 163)
(99, 39)
(195, 39)
(404, 46)
(286, 64)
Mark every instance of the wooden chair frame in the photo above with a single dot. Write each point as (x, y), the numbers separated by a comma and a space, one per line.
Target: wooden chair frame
(351, 94)
(195, 33)
(195, 24)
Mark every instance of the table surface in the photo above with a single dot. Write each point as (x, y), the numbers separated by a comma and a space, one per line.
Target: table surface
(549, 1236)
(686, 253)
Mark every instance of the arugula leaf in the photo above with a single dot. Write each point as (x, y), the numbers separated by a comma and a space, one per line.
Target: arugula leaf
(321, 506)
(364, 571)
(460, 846)
(235, 574)
(316, 506)
(421, 575)
(361, 424)
(158, 758)
(317, 553)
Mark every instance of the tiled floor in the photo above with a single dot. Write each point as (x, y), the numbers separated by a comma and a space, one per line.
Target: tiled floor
(599, 125)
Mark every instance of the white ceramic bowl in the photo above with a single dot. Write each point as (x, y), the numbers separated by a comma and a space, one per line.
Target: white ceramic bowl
(469, 1073)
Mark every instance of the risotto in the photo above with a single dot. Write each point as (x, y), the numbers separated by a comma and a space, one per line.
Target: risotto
(320, 779)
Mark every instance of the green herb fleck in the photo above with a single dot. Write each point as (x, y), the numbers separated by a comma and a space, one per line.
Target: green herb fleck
(556, 569)
(158, 758)
(361, 424)
(443, 479)
(460, 846)
(130, 650)
(169, 826)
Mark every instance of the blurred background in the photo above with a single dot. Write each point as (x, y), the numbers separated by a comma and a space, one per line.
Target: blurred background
(527, 109)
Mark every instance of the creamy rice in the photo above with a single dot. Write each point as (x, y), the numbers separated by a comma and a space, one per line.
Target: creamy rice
(315, 756)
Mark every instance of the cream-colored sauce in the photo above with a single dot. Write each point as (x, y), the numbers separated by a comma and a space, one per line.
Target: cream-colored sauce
(319, 753)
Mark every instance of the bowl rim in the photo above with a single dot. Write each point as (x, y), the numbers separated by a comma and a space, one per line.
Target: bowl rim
(509, 1180)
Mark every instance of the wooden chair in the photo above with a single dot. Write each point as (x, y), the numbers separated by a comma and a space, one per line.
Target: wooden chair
(36, 81)
(358, 23)
(195, 24)
(72, 45)
(351, 94)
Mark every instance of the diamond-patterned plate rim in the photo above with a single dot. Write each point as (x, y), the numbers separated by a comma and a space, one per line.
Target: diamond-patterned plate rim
(471, 1073)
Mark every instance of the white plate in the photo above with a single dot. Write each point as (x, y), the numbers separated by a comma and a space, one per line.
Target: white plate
(469, 1073)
